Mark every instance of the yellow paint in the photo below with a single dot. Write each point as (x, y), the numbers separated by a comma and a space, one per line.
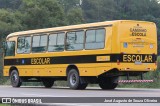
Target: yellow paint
(137, 34)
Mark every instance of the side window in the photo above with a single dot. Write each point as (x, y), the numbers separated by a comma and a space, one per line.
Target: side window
(24, 45)
(39, 43)
(56, 42)
(10, 48)
(75, 40)
(95, 39)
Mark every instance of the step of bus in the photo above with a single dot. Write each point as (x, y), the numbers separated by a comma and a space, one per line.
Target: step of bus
(134, 81)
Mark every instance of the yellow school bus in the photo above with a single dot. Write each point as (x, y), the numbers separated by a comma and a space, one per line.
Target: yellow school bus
(81, 54)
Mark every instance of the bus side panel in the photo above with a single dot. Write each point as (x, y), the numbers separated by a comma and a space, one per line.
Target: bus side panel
(6, 70)
(99, 68)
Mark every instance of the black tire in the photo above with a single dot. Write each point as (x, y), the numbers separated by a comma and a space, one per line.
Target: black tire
(15, 79)
(75, 81)
(47, 82)
(108, 82)
(83, 86)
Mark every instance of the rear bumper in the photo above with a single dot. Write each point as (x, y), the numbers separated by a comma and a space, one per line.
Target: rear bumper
(136, 68)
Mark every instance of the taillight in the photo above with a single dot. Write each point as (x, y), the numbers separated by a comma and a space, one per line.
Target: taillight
(156, 63)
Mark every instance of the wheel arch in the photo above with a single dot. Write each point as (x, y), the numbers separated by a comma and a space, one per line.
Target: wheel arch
(71, 66)
(12, 68)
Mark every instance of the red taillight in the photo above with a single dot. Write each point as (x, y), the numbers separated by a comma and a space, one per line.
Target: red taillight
(118, 63)
(156, 63)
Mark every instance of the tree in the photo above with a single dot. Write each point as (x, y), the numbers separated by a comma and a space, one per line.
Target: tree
(69, 4)
(42, 14)
(75, 16)
(9, 22)
(99, 10)
(12, 4)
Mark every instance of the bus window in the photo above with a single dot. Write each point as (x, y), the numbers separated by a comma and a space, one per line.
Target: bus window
(56, 42)
(39, 43)
(10, 48)
(75, 40)
(24, 45)
(95, 39)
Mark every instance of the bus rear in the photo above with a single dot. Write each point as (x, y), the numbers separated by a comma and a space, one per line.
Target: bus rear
(136, 46)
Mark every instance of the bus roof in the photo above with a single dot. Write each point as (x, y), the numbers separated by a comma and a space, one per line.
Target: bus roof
(70, 27)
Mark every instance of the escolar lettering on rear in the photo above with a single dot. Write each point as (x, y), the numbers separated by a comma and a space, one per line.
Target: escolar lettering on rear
(133, 58)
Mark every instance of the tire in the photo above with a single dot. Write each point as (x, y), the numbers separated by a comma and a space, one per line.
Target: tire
(108, 82)
(15, 79)
(75, 81)
(47, 82)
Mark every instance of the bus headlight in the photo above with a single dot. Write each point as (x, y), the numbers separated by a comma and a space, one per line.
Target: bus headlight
(151, 46)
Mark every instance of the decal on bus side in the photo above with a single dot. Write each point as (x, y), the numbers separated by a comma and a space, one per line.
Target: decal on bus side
(40, 61)
(138, 31)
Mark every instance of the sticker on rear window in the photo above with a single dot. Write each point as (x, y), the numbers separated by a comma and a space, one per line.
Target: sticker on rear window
(125, 45)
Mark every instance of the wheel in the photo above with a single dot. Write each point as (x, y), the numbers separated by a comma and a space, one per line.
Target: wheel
(108, 82)
(75, 81)
(48, 82)
(15, 79)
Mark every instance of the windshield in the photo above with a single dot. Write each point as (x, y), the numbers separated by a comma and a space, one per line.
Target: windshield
(10, 48)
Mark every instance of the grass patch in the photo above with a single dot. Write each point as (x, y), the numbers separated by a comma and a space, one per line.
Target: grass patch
(155, 76)
(5, 104)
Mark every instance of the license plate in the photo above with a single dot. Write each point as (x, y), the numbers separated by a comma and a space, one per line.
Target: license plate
(138, 62)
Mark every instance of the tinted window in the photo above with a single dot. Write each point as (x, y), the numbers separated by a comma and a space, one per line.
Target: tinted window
(95, 39)
(75, 40)
(24, 45)
(56, 42)
(10, 49)
(39, 43)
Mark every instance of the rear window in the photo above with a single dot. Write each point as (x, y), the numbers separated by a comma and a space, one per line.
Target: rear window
(95, 39)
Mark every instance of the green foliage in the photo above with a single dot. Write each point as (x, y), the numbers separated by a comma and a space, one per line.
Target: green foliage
(69, 4)
(9, 22)
(42, 13)
(74, 16)
(12, 4)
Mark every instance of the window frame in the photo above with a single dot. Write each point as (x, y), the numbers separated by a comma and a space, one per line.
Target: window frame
(78, 43)
(40, 34)
(56, 41)
(95, 29)
(30, 44)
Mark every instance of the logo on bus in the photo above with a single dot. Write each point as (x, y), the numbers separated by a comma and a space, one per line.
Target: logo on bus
(138, 31)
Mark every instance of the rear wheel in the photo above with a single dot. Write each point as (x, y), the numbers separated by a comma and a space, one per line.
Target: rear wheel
(48, 82)
(108, 82)
(75, 81)
(15, 79)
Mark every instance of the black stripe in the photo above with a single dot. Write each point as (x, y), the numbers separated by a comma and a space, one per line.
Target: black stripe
(75, 59)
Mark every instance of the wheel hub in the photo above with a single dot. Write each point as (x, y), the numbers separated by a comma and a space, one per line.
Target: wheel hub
(14, 77)
(73, 79)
